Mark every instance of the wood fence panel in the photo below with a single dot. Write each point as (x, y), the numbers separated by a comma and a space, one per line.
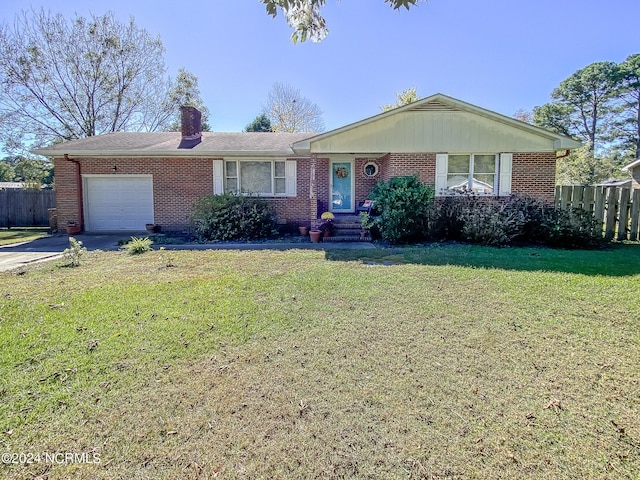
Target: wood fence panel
(565, 196)
(623, 214)
(635, 215)
(599, 204)
(617, 209)
(588, 199)
(612, 210)
(25, 207)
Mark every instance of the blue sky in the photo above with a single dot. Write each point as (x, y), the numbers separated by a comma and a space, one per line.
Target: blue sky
(499, 54)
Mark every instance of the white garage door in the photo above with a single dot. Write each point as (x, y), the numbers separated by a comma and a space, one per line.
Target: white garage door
(118, 202)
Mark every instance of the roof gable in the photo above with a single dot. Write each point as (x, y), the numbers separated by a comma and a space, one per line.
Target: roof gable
(437, 124)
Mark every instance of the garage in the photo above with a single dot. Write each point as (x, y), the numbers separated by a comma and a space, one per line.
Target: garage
(117, 202)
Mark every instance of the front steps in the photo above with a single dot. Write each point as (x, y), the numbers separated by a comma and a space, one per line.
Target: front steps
(347, 228)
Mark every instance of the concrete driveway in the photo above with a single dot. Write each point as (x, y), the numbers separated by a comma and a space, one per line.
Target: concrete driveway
(20, 254)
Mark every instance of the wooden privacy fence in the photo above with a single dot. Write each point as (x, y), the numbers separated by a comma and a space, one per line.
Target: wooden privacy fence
(25, 207)
(617, 208)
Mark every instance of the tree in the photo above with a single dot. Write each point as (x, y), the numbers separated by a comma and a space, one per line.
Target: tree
(64, 79)
(584, 107)
(33, 171)
(305, 19)
(186, 93)
(524, 115)
(7, 174)
(627, 127)
(403, 98)
(289, 111)
(583, 103)
(259, 124)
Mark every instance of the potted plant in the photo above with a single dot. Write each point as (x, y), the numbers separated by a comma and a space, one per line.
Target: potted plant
(304, 230)
(315, 235)
(326, 225)
(73, 228)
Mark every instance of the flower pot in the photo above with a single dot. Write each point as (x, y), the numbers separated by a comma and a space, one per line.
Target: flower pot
(327, 233)
(73, 229)
(315, 235)
(304, 231)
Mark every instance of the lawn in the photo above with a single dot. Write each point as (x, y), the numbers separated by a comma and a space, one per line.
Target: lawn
(21, 234)
(438, 362)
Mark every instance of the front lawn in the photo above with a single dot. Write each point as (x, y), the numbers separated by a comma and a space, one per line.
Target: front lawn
(438, 362)
(9, 236)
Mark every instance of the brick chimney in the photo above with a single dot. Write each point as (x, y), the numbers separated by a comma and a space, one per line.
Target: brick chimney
(191, 127)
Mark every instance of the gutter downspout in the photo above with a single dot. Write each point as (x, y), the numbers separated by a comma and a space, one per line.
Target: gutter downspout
(79, 184)
(565, 154)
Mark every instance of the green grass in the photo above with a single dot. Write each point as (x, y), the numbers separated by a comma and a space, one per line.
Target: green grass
(440, 362)
(9, 236)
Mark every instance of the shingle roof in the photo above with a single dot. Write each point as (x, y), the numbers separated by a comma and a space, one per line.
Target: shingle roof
(166, 144)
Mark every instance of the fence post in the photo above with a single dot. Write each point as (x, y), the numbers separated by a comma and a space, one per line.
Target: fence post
(635, 215)
(623, 214)
(612, 204)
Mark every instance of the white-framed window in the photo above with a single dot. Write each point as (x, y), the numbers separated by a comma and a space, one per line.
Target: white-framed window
(477, 173)
(268, 178)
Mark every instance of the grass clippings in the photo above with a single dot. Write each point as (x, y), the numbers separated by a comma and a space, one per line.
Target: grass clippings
(301, 364)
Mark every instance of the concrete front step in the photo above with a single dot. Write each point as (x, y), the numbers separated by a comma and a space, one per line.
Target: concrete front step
(345, 238)
(346, 219)
(346, 231)
(347, 225)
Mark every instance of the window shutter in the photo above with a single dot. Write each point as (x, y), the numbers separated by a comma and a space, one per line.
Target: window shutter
(506, 161)
(218, 177)
(442, 159)
(290, 177)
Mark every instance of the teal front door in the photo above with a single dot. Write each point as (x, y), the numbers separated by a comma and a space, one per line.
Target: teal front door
(342, 186)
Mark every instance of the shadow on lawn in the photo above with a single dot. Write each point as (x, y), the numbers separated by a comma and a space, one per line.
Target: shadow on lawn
(617, 261)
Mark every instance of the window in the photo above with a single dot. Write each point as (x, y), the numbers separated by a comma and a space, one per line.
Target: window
(482, 174)
(472, 173)
(256, 177)
(371, 169)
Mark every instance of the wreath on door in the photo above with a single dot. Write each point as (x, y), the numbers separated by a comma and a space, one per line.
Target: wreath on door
(341, 172)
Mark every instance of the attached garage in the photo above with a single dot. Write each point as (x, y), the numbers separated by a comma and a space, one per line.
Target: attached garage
(117, 202)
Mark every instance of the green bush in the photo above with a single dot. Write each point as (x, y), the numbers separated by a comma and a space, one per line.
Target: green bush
(137, 246)
(491, 221)
(405, 205)
(232, 217)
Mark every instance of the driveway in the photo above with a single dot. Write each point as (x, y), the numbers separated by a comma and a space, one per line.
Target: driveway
(49, 248)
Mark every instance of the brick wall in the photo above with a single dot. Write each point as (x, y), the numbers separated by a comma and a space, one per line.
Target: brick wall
(177, 184)
(534, 175)
(421, 164)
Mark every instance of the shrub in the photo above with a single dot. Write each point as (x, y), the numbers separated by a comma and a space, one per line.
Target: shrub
(490, 221)
(137, 246)
(74, 253)
(405, 206)
(232, 217)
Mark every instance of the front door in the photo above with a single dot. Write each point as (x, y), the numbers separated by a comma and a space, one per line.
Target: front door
(342, 185)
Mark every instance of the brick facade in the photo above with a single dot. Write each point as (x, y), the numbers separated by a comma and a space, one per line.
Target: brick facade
(534, 175)
(179, 182)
